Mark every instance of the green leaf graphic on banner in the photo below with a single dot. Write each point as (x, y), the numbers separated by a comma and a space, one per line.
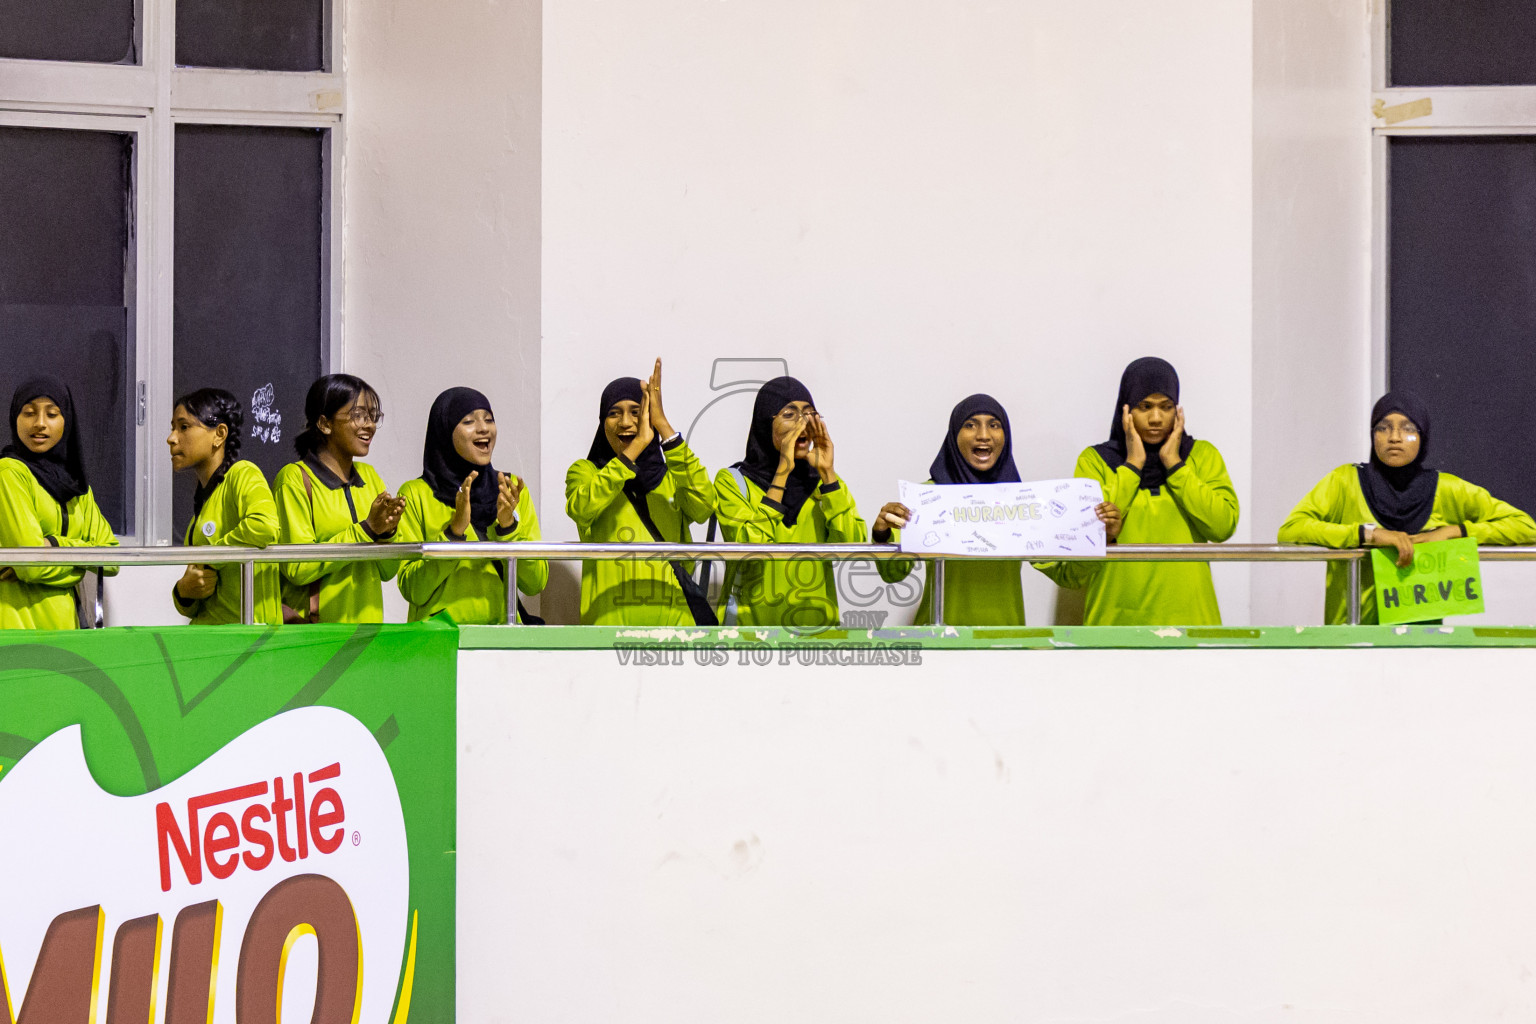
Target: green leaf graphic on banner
(1445, 578)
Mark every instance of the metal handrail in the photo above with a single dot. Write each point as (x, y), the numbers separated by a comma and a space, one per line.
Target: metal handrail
(512, 551)
(573, 551)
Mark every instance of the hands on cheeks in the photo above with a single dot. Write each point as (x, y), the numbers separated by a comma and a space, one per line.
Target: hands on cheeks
(1169, 453)
(1135, 451)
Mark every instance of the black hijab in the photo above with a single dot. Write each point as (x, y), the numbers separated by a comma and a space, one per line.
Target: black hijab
(762, 459)
(444, 469)
(1148, 375)
(950, 467)
(651, 466)
(61, 469)
(1401, 497)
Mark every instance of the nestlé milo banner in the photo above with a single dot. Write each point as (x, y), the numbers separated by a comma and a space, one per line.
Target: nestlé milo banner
(227, 824)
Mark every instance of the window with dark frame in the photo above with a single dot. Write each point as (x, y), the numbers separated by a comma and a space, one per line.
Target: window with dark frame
(249, 292)
(66, 295)
(93, 31)
(1457, 229)
(257, 35)
(1461, 42)
(1462, 299)
(239, 297)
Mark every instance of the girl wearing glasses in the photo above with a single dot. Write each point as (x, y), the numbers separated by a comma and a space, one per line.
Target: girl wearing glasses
(785, 491)
(1395, 501)
(329, 497)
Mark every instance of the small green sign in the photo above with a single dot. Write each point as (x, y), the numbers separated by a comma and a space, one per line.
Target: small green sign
(1444, 579)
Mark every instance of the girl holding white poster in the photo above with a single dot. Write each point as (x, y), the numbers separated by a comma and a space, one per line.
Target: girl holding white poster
(1172, 489)
(978, 449)
(1394, 500)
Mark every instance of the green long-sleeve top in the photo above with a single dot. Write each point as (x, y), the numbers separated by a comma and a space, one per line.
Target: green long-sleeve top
(349, 591)
(976, 592)
(797, 593)
(473, 591)
(239, 513)
(1197, 504)
(624, 591)
(1333, 512)
(41, 596)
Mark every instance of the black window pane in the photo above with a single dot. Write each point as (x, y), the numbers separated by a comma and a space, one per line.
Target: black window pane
(65, 203)
(1462, 42)
(1463, 301)
(100, 31)
(264, 35)
(250, 302)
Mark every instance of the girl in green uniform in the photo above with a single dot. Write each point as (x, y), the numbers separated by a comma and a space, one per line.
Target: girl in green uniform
(640, 483)
(232, 506)
(328, 497)
(45, 500)
(460, 497)
(1171, 489)
(1395, 501)
(977, 450)
(785, 491)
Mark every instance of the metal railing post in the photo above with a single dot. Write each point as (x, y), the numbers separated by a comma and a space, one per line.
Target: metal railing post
(1352, 575)
(248, 593)
(512, 592)
(936, 585)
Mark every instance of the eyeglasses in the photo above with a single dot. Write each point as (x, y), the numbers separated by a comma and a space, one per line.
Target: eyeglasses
(362, 418)
(1409, 432)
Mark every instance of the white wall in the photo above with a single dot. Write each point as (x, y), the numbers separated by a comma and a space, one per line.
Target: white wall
(909, 202)
(1311, 390)
(443, 212)
(1223, 838)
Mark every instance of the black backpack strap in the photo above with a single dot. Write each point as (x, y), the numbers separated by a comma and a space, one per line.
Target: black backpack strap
(696, 595)
(707, 565)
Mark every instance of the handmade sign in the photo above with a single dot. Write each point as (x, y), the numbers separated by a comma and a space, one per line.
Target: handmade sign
(1042, 519)
(1444, 579)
